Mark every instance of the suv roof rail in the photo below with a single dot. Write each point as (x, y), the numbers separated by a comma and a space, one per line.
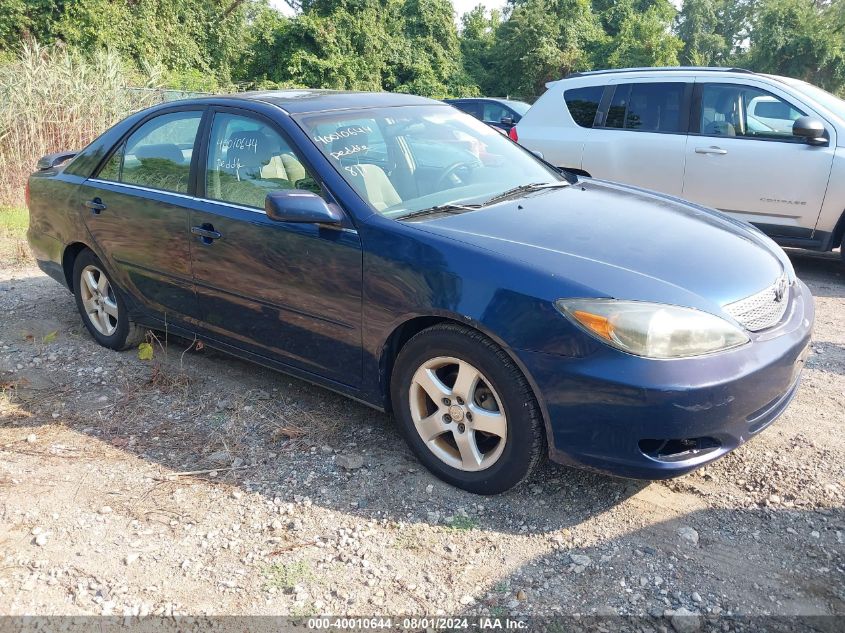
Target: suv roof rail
(612, 71)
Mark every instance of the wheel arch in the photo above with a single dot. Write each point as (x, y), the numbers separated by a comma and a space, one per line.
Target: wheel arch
(838, 234)
(408, 328)
(69, 256)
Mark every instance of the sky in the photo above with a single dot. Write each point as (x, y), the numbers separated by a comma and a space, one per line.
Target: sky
(461, 6)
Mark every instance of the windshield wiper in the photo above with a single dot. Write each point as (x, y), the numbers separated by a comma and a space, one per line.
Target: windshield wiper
(441, 208)
(534, 186)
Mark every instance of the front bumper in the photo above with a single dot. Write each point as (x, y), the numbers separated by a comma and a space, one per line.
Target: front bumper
(608, 411)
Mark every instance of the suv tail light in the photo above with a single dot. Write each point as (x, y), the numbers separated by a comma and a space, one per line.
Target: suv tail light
(513, 135)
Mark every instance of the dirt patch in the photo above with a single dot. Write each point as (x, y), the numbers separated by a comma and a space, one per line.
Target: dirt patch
(194, 483)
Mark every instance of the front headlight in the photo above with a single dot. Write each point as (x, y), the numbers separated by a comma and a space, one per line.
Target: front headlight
(653, 330)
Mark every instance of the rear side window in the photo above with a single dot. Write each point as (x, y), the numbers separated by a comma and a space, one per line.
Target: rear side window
(158, 154)
(647, 107)
(583, 103)
(470, 107)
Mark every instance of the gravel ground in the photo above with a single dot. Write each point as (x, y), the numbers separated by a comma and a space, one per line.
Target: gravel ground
(195, 483)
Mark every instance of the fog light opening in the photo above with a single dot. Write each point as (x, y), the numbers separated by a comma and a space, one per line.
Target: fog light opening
(678, 450)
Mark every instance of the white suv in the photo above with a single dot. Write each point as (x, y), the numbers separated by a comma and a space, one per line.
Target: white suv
(765, 149)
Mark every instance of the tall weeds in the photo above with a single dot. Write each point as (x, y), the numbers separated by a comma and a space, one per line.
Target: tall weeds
(54, 99)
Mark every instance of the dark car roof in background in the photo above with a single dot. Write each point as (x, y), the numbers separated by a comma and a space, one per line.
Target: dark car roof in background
(497, 99)
(300, 101)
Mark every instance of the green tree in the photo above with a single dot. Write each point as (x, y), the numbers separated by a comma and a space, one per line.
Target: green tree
(799, 38)
(24, 21)
(545, 40)
(713, 31)
(478, 42)
(644, 39)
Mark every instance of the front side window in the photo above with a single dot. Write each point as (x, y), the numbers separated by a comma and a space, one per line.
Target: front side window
(745, 111)
(647, 107)
(406, 159)
(583, 103)
(493, 113)
(247, 159)
(158, 154)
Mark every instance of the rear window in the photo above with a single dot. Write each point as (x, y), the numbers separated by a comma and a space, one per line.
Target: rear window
(646, 107)
(583, 103)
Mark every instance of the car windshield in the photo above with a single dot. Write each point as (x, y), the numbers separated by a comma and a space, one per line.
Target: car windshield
(402, 160)
(833, 103)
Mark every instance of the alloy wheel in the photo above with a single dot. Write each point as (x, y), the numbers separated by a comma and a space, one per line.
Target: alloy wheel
(458, 414)
(99, 300)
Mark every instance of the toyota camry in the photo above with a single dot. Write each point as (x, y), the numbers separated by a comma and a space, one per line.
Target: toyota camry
(404, 254)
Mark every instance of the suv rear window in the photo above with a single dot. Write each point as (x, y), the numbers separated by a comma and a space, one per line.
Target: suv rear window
(583, 103)
(646, 107)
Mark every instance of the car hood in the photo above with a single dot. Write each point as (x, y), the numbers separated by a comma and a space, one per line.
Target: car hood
(617, 241)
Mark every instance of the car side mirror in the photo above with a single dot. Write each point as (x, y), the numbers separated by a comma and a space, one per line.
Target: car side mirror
(506, 120)
(811, 130)
(298, 205)
(52, 160)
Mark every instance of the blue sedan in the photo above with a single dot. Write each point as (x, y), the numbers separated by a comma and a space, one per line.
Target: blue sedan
(402, 253)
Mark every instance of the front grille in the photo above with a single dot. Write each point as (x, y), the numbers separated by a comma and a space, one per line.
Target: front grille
(764, 309)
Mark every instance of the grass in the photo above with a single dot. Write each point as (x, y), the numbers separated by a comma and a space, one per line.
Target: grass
(462, 523)
(14, 220)
(13, 247)
(286, 576)
(54, 99)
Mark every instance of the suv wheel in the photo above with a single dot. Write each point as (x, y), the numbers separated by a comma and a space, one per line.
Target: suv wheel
(466, 410)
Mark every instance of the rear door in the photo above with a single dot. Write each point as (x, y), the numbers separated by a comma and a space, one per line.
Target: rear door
(288, 291)
(639, 134)
(135, 208)
(743, 159)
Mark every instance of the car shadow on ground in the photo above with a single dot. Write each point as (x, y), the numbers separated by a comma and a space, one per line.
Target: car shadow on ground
(823, 272)
(739, 563)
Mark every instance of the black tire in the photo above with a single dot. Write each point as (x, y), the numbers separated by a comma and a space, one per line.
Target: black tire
(525, 444)
(126, 334)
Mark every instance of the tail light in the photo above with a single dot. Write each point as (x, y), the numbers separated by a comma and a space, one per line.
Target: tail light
(512, 133)
(26, 194)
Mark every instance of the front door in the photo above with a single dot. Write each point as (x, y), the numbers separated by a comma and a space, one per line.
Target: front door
(287, 291)
(135, 208)
(742, 159)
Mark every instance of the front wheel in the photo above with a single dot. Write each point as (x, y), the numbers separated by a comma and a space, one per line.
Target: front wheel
(466, 410)
(101, 306)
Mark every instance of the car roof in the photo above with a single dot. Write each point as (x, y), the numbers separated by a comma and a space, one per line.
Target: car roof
(663, 70)
(301, 101)
(660, 69)
(496, 99)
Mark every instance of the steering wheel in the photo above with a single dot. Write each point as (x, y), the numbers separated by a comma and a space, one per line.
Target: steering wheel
(450, 177)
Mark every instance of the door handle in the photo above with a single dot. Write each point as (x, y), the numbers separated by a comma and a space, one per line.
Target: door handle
(96, 205)
(711, 150)
(206, 233)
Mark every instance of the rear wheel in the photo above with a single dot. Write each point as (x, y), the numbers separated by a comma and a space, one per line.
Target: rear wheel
(466, 410)
(101, 305)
